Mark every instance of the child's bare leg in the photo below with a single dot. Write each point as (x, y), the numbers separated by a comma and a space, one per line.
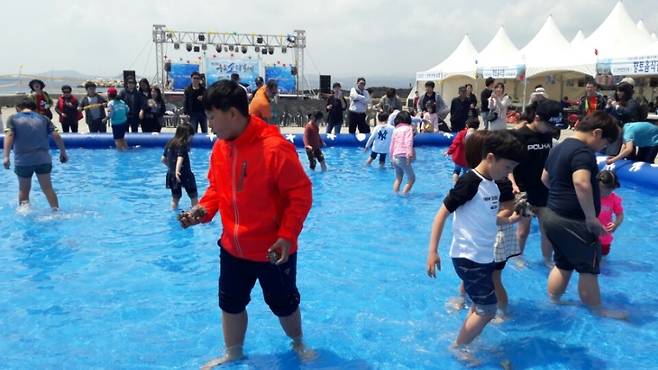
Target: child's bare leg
(396, 184)
(323, 166)
(24, 187)
(474, 324)
(369, 161)
(410, 181)
(590, 295)
(501, 293)
(234, 327)
(522, 231)
(557, 283)
(47, 188)
(174, 202)
(194, 201)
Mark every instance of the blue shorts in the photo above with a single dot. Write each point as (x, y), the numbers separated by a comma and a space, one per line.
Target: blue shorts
(459, 169)
(237, 278)
(478, 283)
(119, 131)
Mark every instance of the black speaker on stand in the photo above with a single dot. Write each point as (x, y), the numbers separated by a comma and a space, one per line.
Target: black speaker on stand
(325, 84)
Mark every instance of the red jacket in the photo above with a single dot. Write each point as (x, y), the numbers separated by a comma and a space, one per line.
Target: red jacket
(457, 149)
(260, 189)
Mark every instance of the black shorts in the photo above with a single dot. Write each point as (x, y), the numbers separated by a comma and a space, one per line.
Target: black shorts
(498, 266)
(537, 198)
(382, 157)
(119, 131)
(237, 278)
(574, 246)
(478, 283)
(28, 171)
(314, 154)
(188, 181)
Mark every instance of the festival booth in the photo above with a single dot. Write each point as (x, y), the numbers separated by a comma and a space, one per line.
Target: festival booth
(623, 49)
(456, 70)
(502, 60)
(556, 64)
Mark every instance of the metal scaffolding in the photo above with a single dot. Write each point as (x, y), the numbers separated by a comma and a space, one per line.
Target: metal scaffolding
(233, 40)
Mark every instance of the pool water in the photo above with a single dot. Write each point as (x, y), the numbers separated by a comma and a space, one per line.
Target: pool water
(112, 281)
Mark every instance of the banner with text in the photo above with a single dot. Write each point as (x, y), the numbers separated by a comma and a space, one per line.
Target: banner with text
(284, 78)
(646, 65)
(180, 75)
(221, 69)
(504, 72)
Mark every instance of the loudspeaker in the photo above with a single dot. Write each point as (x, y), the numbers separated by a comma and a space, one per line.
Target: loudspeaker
(128, 75)
(167, 66)
(325, 84)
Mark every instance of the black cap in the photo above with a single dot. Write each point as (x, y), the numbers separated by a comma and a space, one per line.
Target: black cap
(550, 111)
(36, 81)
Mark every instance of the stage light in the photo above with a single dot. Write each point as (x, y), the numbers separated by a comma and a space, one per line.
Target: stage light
(259, 39)
(202, 37)
(244, 49)
(257, 48)
(196, 48)
(188, 46)
(176, 46)
(270, 50)
(264, 51)
(231, 47)
(291, 39)
(170, 36)
(218, 47)
(284, 49)
(226, 48)
(204, 46)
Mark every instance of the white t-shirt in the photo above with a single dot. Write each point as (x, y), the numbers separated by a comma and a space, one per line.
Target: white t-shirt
(380, 139)
(474, 201)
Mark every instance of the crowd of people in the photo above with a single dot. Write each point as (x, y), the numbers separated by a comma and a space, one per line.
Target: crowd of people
(502, 179)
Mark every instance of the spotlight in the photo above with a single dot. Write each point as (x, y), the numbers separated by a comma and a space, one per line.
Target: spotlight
(170, 36)
(291, 39)
(204, 46)
(264, 51)
(284, 49)
(231, 47)
(226, 48)
(188, 46)
(176, 46)
(244, 49)
(259, 39)
(202, 37)
(257, 48)
(270, 50)
(196, 48)
(218, 47)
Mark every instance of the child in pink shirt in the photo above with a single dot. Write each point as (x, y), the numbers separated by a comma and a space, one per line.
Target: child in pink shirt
(610, 204)
(402, 152)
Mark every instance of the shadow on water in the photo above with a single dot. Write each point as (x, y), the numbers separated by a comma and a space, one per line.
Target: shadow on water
(326, 359)
(640, 313)
(533, 352)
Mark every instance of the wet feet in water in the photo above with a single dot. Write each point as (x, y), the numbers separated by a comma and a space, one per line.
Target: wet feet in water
(232, 354)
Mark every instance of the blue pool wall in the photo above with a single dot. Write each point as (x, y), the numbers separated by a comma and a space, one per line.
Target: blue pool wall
(640, 173)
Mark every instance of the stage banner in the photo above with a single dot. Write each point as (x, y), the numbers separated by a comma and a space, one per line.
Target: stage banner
(180, 75)
(221, 69)
(646, 65)
(510, 72)
(283, 77)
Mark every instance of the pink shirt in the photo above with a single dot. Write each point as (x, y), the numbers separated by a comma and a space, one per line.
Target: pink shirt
(609, 205)
(402, 142)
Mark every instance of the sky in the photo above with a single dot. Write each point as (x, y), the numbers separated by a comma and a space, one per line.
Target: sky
(345, 38)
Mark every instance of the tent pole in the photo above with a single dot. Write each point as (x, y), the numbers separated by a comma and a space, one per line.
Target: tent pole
(525, 91)
(561, 86)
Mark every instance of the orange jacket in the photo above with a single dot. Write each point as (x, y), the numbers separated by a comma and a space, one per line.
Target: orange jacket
(260, 105)
(260, 189)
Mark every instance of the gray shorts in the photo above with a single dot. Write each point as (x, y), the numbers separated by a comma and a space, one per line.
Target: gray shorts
(402, 167)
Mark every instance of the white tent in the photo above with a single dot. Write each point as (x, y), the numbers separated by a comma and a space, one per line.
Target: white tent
(550, 52)
(618, 36)
(461, 62)
(500, 58)
(642, 28)
(653, 36)
(578, 39)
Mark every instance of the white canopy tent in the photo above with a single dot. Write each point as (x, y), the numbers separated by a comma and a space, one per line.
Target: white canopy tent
(578, 39)
(500, 58)
(642, 28)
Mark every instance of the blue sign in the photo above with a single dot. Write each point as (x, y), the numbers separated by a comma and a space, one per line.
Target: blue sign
(221, 69)
(180, 75)
(283, 77)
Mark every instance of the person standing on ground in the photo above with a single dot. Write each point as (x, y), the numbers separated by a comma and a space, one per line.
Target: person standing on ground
(41, 98)
(94, 107)
(432, 96)
(152, 114)
(256, 174)
(499, 102)
(644, 136)
(193, 105)
(592, 101)
(27, 133)
(389, 102)
(336, 105)
(472, 99)
(570, 218)
(459, 108)
(536, 136)
(625, 109)
(484, 99)
(135, 101)
(145, 89)
(359, 99)
(261, 105)
(67, 109)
